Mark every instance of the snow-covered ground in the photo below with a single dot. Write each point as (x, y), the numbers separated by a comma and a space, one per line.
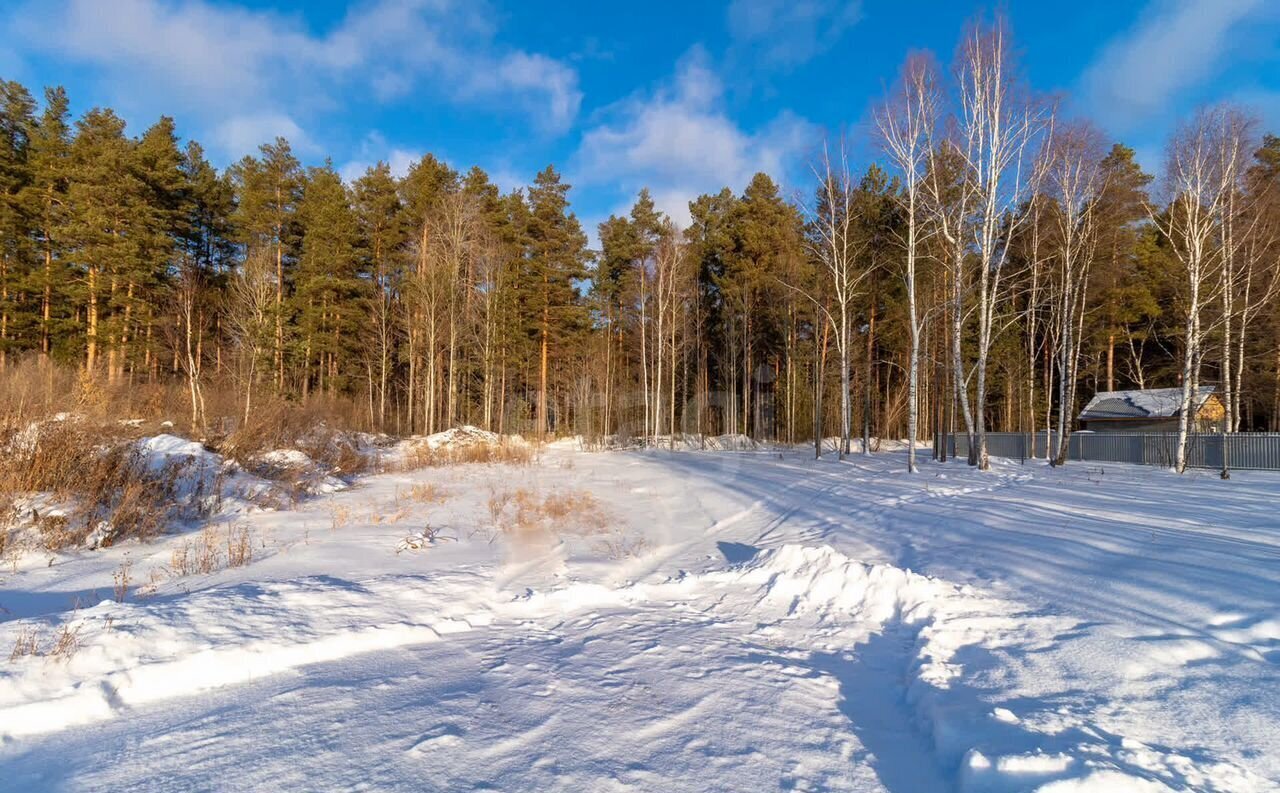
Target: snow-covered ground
(718, 620)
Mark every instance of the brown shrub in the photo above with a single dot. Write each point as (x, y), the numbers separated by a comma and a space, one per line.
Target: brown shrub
(239, 545)
(339, 516)
(98, 468)
(66, 643)
(419, 455)
(423, 493)
(120, 581)
(559, 512)
(26, 643)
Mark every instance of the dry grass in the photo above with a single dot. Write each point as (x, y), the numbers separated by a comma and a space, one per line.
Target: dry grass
(209, 552)
(579, 505)
(309, 427)
(65, 643)
(203, 555)
(619, 546)
(182, 562)
(526, 515)
(339, 516)
(31, 389)
(377, 518)
(419, 455)
(27, 643)
(239, 545)
(97, 467)
(498, 500)
(120, 581)
(422, 493)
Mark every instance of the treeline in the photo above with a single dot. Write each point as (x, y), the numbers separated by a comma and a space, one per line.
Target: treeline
(996, 266)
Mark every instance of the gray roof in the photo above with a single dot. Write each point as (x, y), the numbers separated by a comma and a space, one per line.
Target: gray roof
(1151, 403)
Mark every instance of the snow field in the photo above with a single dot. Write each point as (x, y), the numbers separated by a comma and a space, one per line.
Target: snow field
(767, 633)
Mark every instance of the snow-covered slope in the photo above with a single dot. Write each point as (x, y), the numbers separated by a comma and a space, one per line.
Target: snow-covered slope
(742, 621)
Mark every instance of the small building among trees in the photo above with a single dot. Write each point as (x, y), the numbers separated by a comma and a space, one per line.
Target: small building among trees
(1151, 410)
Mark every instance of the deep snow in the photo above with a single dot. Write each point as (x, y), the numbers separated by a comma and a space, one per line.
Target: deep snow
(742, 621)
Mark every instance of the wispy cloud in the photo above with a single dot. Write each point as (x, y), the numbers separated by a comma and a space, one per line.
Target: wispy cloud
(374, 149)
(233, 67)
(1174, 47)
(679, 142)
(784, 34)
(244, 133)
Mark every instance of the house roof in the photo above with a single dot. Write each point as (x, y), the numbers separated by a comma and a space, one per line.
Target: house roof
(1158, 403)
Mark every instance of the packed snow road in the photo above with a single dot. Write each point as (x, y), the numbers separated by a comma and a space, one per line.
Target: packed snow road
(677, 621)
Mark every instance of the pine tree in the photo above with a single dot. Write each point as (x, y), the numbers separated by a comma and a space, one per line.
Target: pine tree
(205, 256)
(267, 193)
(45, 202)
(557, 258)
(329, 299)
(157, 220)
(100, 200)
(1125, 299)
(16, 119)
(427, 288)
(380, 220)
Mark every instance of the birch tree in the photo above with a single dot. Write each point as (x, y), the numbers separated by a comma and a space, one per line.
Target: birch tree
(249, 312)
(831, 242)
(1201, 168)
(1076, 182)
(998, 126)
(906, 128)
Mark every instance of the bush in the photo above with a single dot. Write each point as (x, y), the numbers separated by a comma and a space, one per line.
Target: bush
(420, 455)
(98, 469)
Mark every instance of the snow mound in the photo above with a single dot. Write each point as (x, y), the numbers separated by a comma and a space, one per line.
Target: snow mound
(456, 444)
(822, 581)
(285, 458)
(202, 479)
(297, 465)
(462, 437)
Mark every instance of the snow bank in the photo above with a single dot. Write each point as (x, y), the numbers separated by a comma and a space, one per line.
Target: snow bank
(298, 466)
(461, 437)
(133, 654)
(465, 443)
(823, 582)
(204, 480)
(824, 590)
(811, 605)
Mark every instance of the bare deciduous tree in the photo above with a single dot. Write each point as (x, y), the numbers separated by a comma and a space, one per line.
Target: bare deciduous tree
(906, 126)
(998, 126)
(1075, 182)
(832, 243)
(250, 318)
(1202, 169)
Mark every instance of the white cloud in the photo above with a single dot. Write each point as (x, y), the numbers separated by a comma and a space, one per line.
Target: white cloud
(510, 179)
(373, 149)
(213, 61)
(787, 33)
(245, 133)
(1174, 46)
(680, 143)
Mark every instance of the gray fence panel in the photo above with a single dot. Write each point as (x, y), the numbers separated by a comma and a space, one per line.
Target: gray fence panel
(1258, 451)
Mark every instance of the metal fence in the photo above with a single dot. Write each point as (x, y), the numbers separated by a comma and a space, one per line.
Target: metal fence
(1244, 450)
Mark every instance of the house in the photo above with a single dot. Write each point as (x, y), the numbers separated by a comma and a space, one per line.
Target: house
(1151, 410)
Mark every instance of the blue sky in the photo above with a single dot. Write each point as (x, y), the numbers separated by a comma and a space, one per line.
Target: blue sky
(682, 97)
